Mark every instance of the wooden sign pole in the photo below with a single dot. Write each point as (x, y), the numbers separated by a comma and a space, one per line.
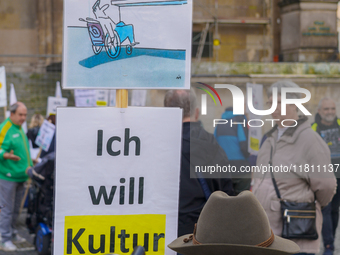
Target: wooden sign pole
(122, 98)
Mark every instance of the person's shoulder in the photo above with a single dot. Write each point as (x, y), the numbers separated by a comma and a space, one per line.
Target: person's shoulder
(5, 125)
(308, 131)
(199, 134)
(311, 138)
(270, 132)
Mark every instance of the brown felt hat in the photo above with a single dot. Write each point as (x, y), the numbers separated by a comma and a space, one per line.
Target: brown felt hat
(233, 225)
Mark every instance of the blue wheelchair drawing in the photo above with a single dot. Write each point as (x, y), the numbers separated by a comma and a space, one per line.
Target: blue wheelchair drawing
(104, 33)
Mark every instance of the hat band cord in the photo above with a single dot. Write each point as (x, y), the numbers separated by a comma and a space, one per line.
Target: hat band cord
(192, 237)
(266, 243)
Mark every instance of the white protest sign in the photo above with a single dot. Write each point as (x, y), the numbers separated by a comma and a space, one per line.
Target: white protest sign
(117, 179)
(127, 44)
(33, 151)
(85, 97)
(3, 93)
(53, 103)
(255, 132)
(45, 135)
(12, 95)
(58, 90)
(112, 97)
(13, 100)
(138, 97)
(102, 97)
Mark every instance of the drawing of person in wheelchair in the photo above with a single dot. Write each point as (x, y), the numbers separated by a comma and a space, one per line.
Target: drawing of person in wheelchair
(104, 32)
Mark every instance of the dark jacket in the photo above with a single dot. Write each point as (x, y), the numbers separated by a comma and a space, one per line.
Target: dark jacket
(204, 150)
(32, 134)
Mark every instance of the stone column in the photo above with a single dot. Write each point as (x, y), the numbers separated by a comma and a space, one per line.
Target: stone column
(309, 30)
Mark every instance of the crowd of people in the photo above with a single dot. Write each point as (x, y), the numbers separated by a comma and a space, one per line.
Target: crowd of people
(301, 144)
(218, 215)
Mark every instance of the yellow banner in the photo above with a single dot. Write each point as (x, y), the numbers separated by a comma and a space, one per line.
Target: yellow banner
(103, 234)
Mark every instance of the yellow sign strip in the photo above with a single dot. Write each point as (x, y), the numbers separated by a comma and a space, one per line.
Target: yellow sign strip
(119, 234)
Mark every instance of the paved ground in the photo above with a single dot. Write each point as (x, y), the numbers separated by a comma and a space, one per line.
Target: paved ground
(27, 247)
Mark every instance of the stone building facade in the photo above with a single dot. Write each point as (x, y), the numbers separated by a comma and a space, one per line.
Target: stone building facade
(234, 41)
(309, 30)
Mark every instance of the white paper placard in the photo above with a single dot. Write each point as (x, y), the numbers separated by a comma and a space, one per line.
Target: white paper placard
(112, 97)
(138, 97)
(127, 44)
(12, 95)
(33, 151)
(117, 176)
(45, 135)
(3, 93)
(58, 90)
(85, 97)
(53, 103)
(102, 97)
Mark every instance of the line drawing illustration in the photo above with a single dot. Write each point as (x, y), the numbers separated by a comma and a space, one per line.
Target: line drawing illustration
(130, 43)
(105, 33)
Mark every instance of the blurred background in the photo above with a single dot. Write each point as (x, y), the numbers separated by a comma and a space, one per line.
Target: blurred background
(233, 42)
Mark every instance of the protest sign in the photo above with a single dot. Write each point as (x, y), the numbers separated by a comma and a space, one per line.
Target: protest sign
(34, 151)
(45, 135)
(102, 97)
(117, 179)
(255, 131)
(12, 95)
(85, 97)
(138, 97)
(58, 90)
(3, 93)
(53, 103)
(107, 44)
(112, 97)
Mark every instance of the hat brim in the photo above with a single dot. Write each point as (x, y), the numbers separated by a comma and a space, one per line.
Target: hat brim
(280, 246)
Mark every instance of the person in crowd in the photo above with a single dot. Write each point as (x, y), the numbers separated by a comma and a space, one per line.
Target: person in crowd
(327, 125)
(234, 141)
(198, 148)
(14, 160)
(292, 142)
(233, 225)
(33, 129)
